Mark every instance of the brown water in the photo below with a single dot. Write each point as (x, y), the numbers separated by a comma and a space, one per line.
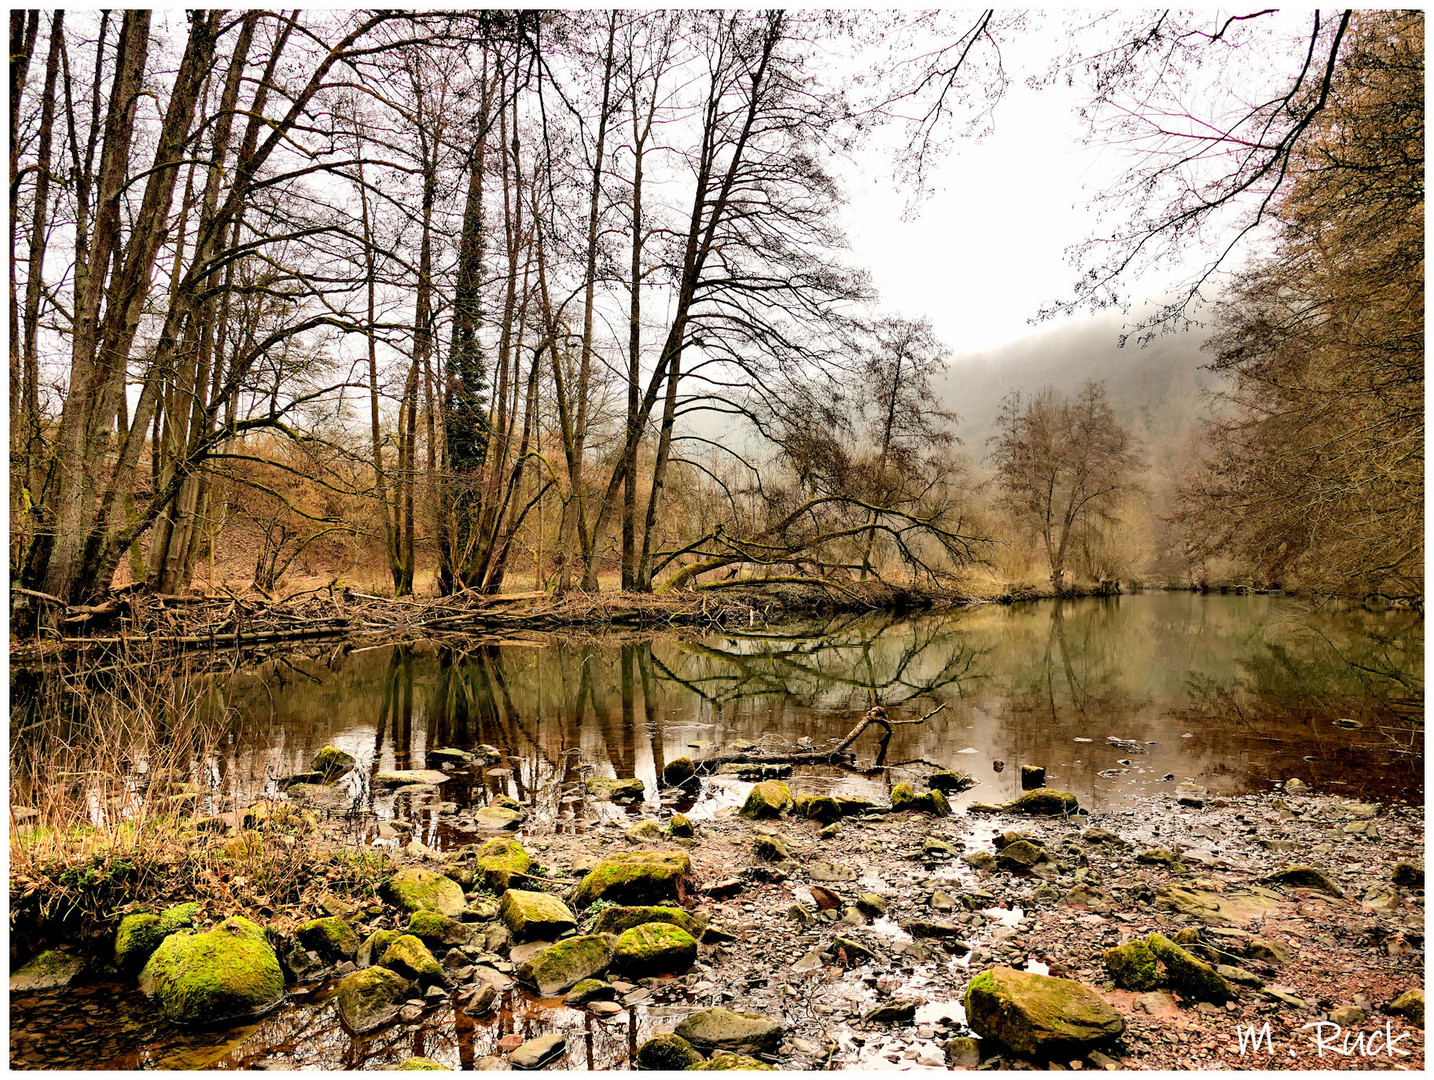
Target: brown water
(1234, 693)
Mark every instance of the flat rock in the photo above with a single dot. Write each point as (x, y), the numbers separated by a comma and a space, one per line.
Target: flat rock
(1038, 1016)
(50, 970)
(1237, 907)
(825, 871)
(535, 1053)
(405, 777)
(723, 1029)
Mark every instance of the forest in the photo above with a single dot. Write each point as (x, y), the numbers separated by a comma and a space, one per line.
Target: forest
(465, 302)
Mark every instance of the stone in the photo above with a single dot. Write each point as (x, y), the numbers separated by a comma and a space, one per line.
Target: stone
(667, 1053)
(931, 802)
(1033, 776)
(1268, 951)
(615, 920)
(371, 997)
(1021, 855)
(1044, 802)
(587, 990)
(535, 1053)
(503, 863)
(331, 762)
(421, 1064)
(962, 1053)
(723, 1029)
(1408, 876)
(138, 936)
(871, 904)
(901, 1012)
(559, 968)
(534, 916)
(331, 937)
(1234, 908)
(802, 916)
(643, 832)
(1133, 966)
(52, 969)
(768, 799)
(980, 860)
(637, 877)
(1097, 835)
(416, 889)
(1160, 857)
(450, 755)
(680, 825)
(1348, 1015)
(410, 958)
(678, 771)
(1410, 1005)
(483, 1001)
(901, 796)
(823, 809)
(950, 781)
(1305, 877)
(1239, 975)
(1038, 1016)
(498, 817)
(222, 976)
(654, 949)
(1187, 976)
(612, 790)
(405, 777)
(933, 928)
(1295, 786)
(725, 1059)
(435, 929)
(770, 848)
(832, 872)
(374, 946)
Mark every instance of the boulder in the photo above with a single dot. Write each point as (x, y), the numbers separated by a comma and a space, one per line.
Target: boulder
(1410, 1005)
(1133, 966)
(590, 990)
(50, 970)
(1021, 855)
(535, 916)
(678, 771)
(770, 848)
(560, 967)
(498, 817)
(1187, 976)
(654, 949)
(1235, 908)
(331, 762)
(637, 877)
(950, 781)
(643, 832)
(330, 937)
(901, 796)
(611, 790)
(404, 777)
(500, 861)
(371, 998)
(823, 809)
(535, 1053)
(1305, 877)
(410, 958)
(615, 920)
(1043, 801)
(222, 976)
(931, 802)
(416, 889)
(667, 1053)
(435, 929)
(1039, 1016)
(137, 937)
(723, 1029)
(374, 946)
(768, 799)
(1408, 876)
(725, 1059)
(680, 825)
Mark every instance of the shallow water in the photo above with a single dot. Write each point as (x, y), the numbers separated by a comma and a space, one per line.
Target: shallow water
(1234, 693)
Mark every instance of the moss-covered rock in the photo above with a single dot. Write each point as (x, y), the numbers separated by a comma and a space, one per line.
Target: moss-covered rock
(435, 929)
(1186, 975)
(931, 802)
(768, 799)
(410, 958)
(822, 808)
(331, 762)
(560, 967)
(137, 937)
(723, 1029)
(1133, 966)
(374, 946)
(1408, 876)
(330, 937)
(498, 817)
(50, 970)
(535, 916)
(615, 920)
(667, 1053)
(421, 1064)
(371, 997)
(500, 862)
(269, 816)
(901, 796)
(643, 832)
(614, 790)
(1232, 908)
(680, 825)
(416, 889)
(1410, 1005)
(222, 976)
(950, 781)
(1021, 855)
(1038, 1015)
(770, 848)
(724, 1060)
(587, 990)
(678, 771)
(637, 877)
(178, 917)
(1047, 802)
(655, 949)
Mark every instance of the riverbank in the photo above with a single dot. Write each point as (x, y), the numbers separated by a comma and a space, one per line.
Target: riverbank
(852, 930)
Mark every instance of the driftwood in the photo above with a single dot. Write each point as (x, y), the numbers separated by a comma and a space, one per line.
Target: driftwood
(834, 755)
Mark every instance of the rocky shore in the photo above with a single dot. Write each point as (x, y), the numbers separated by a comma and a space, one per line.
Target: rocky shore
(799, 928)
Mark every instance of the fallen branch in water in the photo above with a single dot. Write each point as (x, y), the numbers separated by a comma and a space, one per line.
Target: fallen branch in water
(835, 754)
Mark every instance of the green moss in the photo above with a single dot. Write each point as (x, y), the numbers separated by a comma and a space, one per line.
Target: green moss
(561, 967)
(605, 787)
(636, 877)
(1133, 966)
(724, 1060)
(931, 802)
(614, 920)
(1038, 1015)
(410, 958)
(655, 949)
(375, 945)
(330, 937)
(586, 990)
(138, 936)
(229, 973)
(370, 998)
(902, 795)
(680, 825)
(768, 799)
(178, 917)
(533, 916)
(438, 929)
(421, 1064)
(1044, 801)
(416, 889)
(1188, 976)
(332, 762)
(502, 861)
(823, 809)
(667, 1053)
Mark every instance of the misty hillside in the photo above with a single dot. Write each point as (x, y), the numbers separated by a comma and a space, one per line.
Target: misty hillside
(1157, 389)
